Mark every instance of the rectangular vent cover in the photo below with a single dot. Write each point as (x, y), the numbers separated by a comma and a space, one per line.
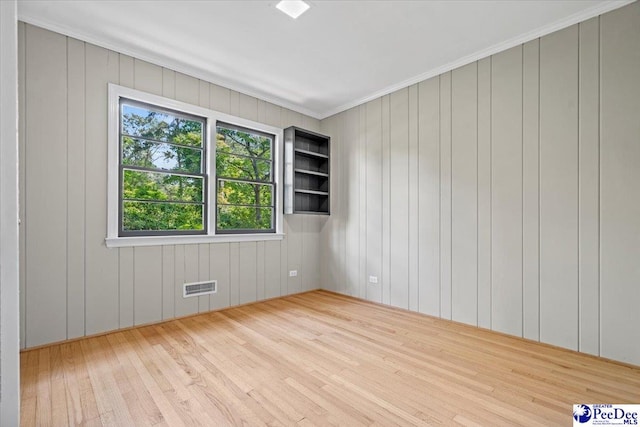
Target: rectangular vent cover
(199, 288)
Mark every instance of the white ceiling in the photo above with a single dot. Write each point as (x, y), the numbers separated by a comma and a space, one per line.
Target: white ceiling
(335, 56)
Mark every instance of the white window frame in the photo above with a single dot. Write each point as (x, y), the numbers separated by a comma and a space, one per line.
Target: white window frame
(212, 117)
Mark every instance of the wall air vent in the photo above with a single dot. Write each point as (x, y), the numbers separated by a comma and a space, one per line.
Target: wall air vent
(197, 289)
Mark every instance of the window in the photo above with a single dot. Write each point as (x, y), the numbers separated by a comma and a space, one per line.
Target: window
(180, 173)
(244, 169)
(162, 175)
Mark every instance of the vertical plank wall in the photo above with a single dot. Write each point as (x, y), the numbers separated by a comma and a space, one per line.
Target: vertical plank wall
(507, 191)
(620, 183)
(73, 285)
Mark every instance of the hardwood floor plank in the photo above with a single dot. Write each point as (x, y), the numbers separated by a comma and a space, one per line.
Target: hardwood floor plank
(313, 359)
(87, 396)
(59, 412)
(161, 402)
(43, 387)
(111, 405)
(179, 380)
(134, 391)
(336, 413)
(28, 386)
(178, 410)
(72, 387)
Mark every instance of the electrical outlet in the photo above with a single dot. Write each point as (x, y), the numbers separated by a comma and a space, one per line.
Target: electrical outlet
(373, 279)
(293, 273)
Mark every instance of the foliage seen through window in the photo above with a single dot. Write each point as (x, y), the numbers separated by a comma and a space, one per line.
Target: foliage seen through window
(245, 184)
(161, 170)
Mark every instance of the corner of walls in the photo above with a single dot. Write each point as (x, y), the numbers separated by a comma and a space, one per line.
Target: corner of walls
(500, 194)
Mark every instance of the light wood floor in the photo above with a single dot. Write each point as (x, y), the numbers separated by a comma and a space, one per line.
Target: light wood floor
(313, 359)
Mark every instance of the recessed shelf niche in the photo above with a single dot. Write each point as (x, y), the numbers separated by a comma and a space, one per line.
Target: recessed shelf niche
(307, 172)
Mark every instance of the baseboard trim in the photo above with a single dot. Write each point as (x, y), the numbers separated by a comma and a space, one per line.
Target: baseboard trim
(547, 345)
(160, 322)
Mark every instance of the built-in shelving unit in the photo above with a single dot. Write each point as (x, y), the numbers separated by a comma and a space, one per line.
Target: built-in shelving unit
(306, 172)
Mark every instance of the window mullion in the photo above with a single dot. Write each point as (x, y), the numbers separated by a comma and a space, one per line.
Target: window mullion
(247, 181)
(162, 171)
(158, 141)
(262, 159)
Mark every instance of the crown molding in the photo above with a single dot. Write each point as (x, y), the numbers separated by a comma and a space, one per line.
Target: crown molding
(576, 18)
(163, 58)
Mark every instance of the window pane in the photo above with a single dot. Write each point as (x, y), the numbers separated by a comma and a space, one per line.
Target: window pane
(244, 155)
(148, 154)
(243, 143)
(230, 166)
(161, 186)
(149, 216)
(160, 125)
(242, 193)
(244, 218)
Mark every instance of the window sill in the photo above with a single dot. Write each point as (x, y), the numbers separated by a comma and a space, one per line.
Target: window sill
(124, 242)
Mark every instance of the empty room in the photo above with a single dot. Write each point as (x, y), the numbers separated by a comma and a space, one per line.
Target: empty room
(347, 213)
